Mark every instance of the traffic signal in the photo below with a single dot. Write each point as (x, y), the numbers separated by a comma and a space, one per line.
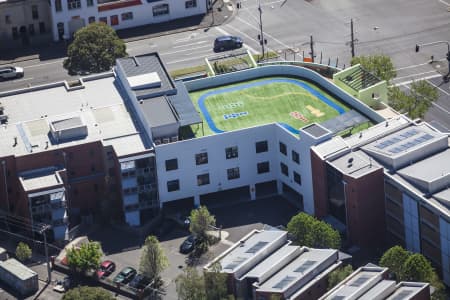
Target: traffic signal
(417, 48)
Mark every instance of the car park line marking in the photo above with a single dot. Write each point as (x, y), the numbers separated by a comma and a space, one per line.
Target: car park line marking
(444, 91)
(243, 34)
(184, 50)
(191, 44)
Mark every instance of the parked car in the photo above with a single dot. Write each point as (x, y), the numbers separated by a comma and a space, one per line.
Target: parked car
(106, 268)
(139, 282)
(125, 276)
(227, 42)
(8, 72)
(62, 285)
(188, 245)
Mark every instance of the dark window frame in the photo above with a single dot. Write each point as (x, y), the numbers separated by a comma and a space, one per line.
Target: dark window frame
(160, 10)
(263, 167)
(295, 156)
(231, 152)
(297, 178)
(173, 185)
(201, 158)
(233, 173)
(283, 148)
(261, 146)
(284, 169)
(203, 179)
(34, 12)
(171, 164)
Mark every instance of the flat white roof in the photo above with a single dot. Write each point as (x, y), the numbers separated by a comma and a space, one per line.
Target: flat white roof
(18, 269)
(101, 105)
(147, 80)
(39, 182)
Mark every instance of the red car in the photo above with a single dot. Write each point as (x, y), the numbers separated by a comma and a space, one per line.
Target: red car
(106, 268)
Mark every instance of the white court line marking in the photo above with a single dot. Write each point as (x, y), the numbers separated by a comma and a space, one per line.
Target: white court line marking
(184, 50)
(444, 91)
(44, 64)
(242, 33)
(191, 44)
(265, 33)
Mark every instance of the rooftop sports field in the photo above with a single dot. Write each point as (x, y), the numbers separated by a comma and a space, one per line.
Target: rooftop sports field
(292, 103)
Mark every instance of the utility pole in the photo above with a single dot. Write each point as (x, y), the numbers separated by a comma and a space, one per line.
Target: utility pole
(352, 36)
(49, 271)
(261, 40)
(311, 43)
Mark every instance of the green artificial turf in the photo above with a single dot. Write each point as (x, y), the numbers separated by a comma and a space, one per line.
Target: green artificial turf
(269, 103)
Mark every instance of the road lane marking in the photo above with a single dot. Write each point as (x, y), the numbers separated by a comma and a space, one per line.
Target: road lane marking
(186, 59)
(191, 44)
(23, 79)
(444, 91)
(411, 75)
(184, 50)
(44, 64)
(433, 103)
(443, 2)
(418, 65)
(242, 33)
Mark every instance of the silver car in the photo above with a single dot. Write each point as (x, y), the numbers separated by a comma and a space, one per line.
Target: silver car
(8, 72)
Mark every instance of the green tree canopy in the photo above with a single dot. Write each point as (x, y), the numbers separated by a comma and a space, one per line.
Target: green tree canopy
(153, 260)
(201, 220)
(190, 285)
(216, 283)
(23, 251)
(379, 65)
(394, 258)
(86, 257)
(338, 275)
(415, 103)
(94, 49)
(417, 268)
(310, 232)
(87, 293)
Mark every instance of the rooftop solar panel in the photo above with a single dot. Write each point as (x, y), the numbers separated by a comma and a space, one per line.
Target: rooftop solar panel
(360, 280)
(284, 282)
(236, 262)
(305, 266)
(255, 248)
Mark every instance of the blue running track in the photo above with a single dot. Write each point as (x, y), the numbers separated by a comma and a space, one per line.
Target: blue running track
(212, 125)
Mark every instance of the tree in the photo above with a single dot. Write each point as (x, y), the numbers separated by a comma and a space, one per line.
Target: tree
(201, 220)
(87, 293)
(417, 102)
(153, 260)
(310, 232)
(86, 257)
(190, 285)
(216, 283)
(417, 268)
(379, 65)
(394, 259)
(94, 49)
(23, 252)
(338, 275)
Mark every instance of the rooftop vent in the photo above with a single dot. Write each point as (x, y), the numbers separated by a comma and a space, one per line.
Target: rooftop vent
(67, 129)
(144, 81)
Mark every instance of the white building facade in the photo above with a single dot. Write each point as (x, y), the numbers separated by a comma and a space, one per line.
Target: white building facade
(71, 15)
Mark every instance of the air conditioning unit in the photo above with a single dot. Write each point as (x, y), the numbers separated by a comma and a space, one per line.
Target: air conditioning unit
(157, 142)
(174, 139)
(166, 140)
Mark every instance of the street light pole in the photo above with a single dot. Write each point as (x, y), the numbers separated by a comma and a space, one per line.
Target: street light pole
(446, 77)
(261, 41)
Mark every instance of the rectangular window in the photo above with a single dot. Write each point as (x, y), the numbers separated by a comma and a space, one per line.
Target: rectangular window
(42, 27)
(297, 178)
(295, 157)
(103, 20)
(171, 164)
(114, 20)
(127, 16)
(231, 152)
(92, 20)
(283, 148)
(284, 169)
(161, 9)
(7, 19)
(90, 2)
(190, 4)
(203, 179)
(173, 185)
(31, 29)
(233, 173)
(15, 33)
(73, 4)
(261, 147)
(263, 167)
(58, 6)
(201, 158)
(34, 12)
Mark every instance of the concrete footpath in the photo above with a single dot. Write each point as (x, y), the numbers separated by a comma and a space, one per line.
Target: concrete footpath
(223, 10)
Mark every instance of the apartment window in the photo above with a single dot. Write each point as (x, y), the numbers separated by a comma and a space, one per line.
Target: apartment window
(73, 4)
(58, 6)
(261, 147)
(90, 2)
(173, 185)
(34, 12)
(15, 33)
(284, 169)
(31, 29)
(95, 187)
(201, 158)
(231, 152)
(203, 179)
(295, 157)
(190, 4)
(103, 20)
(114, 20)
(127, 16)
(283, 148)
(263, 167)
(233, 173)
(297, 178)
(171, 164)
(92, 20)
(93, 168)
(7, 19)
(42, 27)
(161, 9)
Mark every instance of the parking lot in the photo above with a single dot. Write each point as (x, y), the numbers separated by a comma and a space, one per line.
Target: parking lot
(439, 113)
